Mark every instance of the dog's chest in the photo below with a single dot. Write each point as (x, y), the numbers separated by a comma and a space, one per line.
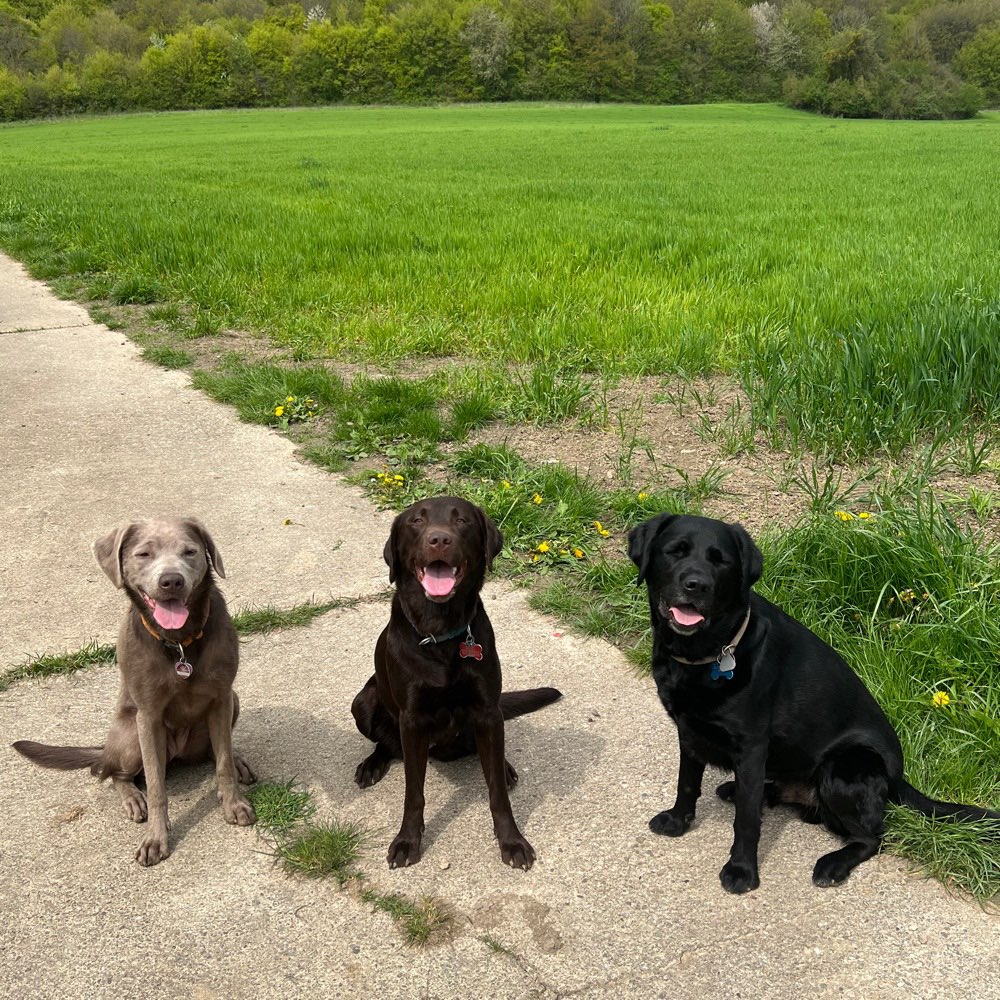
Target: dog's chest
(698, 714)
(448, 706)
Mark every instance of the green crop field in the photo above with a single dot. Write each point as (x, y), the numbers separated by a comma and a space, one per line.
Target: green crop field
(787, 249)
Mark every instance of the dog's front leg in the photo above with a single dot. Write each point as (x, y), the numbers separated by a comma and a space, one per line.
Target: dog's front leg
(677, 820)
(405, 849)
(740, 874)
(155, 845)
(514, 849)
(236, 808)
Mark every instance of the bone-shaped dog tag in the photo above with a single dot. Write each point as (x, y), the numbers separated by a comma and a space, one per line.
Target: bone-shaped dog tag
(727, 664)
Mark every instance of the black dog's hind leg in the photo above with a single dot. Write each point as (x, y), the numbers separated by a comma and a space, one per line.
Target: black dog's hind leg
(853, 789)
(677, 820)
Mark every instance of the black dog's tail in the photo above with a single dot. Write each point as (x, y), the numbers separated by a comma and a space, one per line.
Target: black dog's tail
(515, 703)
(903, 793)
(60, 758)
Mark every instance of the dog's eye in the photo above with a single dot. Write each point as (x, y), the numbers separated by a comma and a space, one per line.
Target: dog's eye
(461, 520)
(141, 555)
(190, 552)
(716, 558)
(679, 550)
(416, 520)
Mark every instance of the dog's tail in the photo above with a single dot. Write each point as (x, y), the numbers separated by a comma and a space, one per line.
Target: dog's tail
(515, 703)
(903, 793)
(60, 758)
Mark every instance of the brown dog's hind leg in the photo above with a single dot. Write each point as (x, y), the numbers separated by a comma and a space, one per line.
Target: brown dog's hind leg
(378, 725)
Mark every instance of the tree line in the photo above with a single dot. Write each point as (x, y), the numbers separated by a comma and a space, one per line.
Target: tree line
(857, 58)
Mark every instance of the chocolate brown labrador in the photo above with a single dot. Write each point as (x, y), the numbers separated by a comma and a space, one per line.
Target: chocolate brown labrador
(436, 687)
(178, 654)
(755, 692)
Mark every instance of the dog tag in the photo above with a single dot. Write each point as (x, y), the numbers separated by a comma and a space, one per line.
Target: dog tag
(183, 668)
(725, 666)
(470, 650)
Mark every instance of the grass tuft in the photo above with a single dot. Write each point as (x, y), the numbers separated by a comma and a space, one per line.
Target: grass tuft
(168, 357)
(420, 921)
(280, 807)
(322, 850)
(91, 655)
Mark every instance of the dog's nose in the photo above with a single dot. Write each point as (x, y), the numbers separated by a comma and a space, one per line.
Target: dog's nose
(439, 539)
(171, 581)
(695, 584)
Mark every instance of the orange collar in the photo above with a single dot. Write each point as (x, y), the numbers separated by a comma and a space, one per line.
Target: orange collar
(156, 635)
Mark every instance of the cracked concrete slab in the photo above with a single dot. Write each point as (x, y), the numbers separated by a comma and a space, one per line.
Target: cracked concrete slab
(609, 910)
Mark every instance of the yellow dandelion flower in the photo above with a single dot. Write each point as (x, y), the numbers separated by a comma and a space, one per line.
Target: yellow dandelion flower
(537, 498)
(643, 496)
(544, 547)
(940, 699)
(534, 558)
(578, 553)
(398, 478)
(843, 515)
(564, 552)
(279, 411)
(864, 515)
(601, 530)
(505, 484)
(289, 399)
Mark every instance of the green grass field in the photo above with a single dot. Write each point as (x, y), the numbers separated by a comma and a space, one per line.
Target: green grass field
(788, 249)
(847, 274)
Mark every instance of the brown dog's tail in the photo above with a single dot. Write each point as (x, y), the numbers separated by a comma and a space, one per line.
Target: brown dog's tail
(515, 703)
(903, 793)
(59, 758)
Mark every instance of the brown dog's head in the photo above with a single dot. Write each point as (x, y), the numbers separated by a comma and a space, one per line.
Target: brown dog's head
(161, 563)
(697, 569)
(445, 544)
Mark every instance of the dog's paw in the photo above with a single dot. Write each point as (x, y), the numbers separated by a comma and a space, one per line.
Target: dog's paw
(830, 870)
(238, 811)
(403, 851)
(669, 824)
(243, 771)
(736, 877)
(517, 852)
(153, 849)
(371, 770)
(727, 791)
(134, 804)
(511, 774)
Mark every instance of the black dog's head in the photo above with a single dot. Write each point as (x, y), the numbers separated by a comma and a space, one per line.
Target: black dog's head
(697, 569)
(445, 544)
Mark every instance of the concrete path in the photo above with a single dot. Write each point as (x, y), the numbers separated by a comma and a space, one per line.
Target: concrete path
(92, 436)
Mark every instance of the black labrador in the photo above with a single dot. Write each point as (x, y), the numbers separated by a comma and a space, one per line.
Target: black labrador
(436, 687)
(754, 691)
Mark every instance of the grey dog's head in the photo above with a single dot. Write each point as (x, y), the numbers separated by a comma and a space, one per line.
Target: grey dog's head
(697, 569)
(161, 563)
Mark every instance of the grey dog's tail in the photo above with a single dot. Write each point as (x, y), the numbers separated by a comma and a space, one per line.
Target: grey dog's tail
(60, 758)
(515, 703)
(903, 793)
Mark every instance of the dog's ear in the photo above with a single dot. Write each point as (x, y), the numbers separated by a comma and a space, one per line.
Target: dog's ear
(492, 539)
(108, 552)
(213, 553)
(389, 552)
(751, 561)
(640, 542)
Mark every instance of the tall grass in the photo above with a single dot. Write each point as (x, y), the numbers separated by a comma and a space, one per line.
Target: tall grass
(796, 252)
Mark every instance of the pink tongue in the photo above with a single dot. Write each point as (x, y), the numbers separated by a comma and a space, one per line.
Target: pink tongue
(170, 614)
(683, 617)
(438, 579)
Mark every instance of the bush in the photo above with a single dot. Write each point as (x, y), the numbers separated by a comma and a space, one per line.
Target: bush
(979, 63)
(11, 96)
(106, 81)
